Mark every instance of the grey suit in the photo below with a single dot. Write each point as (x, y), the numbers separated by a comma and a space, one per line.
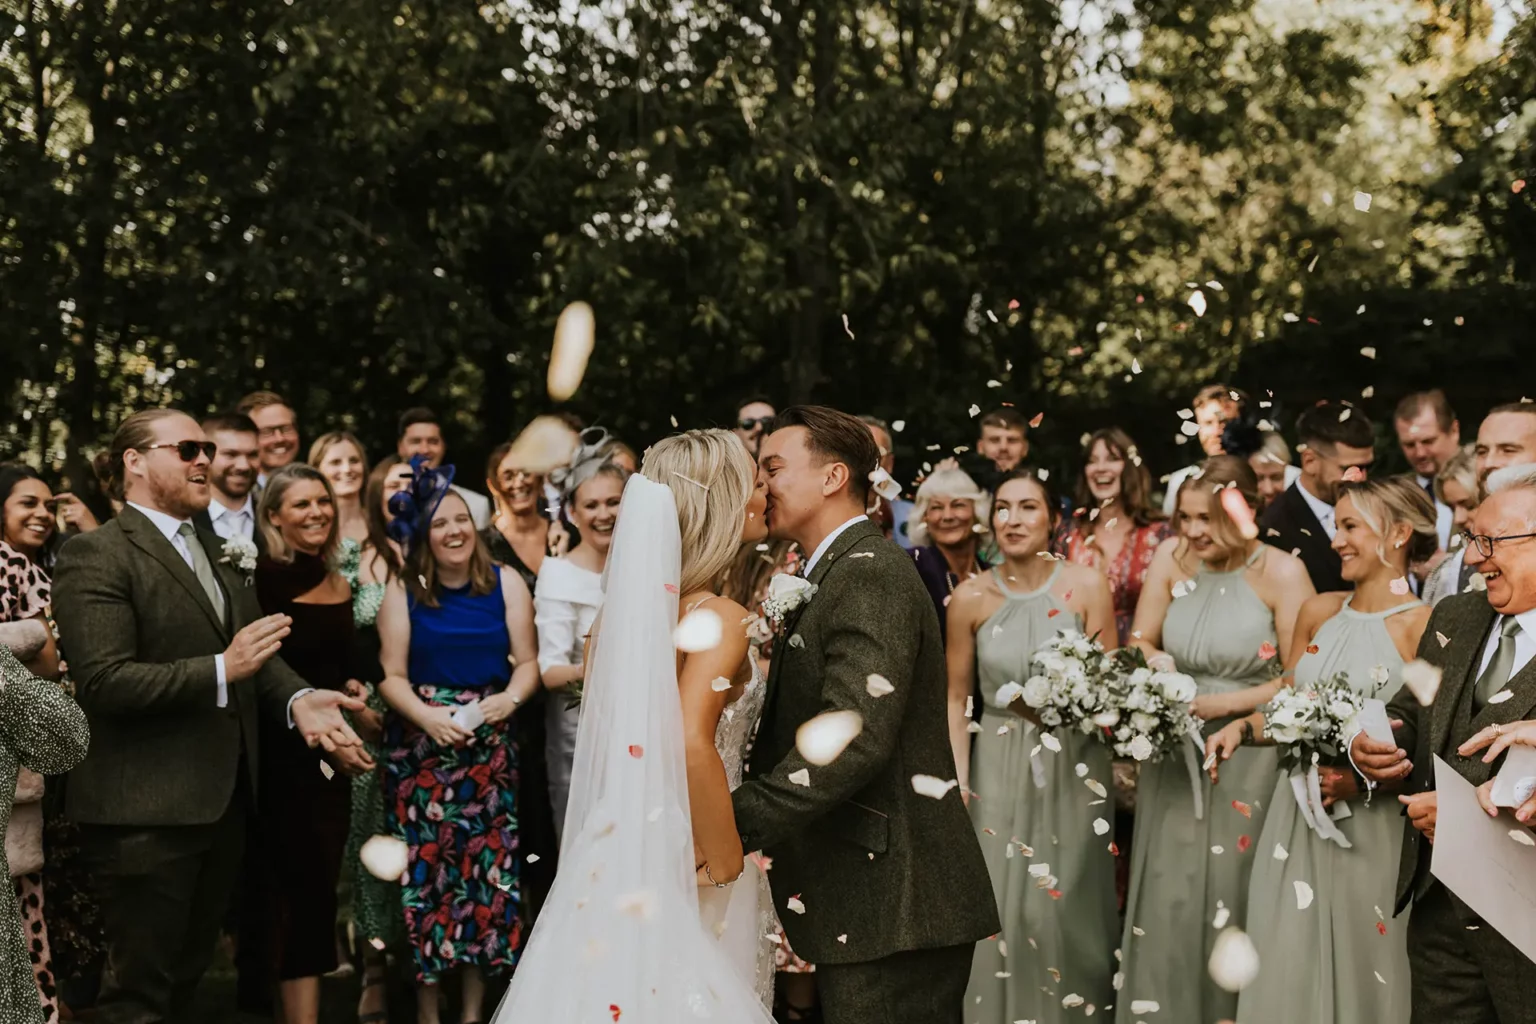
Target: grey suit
(1464, 972)
(894, 885)
(170, 775)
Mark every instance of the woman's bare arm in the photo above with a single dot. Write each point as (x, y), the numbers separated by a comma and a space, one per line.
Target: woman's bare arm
(715, 838)
(960, 660)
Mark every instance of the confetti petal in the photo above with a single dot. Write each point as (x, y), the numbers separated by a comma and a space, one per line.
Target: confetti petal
(1097, 787)
(1050, 742)
(822, 739)
(929, 786)
(700, 630)
(613, 1008)
(384, 857)
(1139, 1006)
(1501, 697)
(1280, 853)
(1236, 507)
(575, 333)
(1381, 928)
(794, 904)
(327, 770)
(1196, 302)
(801, 777)
(1303, 894)
(544, 445)
(1234, 960)
(636, 751)
(1100, 827)
(719, 684)
(1422, 680)
(641, 904)
(1521, 836)
(1267, 651)
(1363, 201)
(1242, 808)
(1036, 420)
(1244, 843)
(878, 686)
(1400, 586)
(1442, 638)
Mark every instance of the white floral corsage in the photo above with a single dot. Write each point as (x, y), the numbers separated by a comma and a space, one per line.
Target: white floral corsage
(785, 594)
(240, 554)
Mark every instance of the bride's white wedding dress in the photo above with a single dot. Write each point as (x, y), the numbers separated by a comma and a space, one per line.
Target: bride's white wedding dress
(621, 939)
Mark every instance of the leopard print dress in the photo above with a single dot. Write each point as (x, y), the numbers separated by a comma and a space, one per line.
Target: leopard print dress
(24, 594)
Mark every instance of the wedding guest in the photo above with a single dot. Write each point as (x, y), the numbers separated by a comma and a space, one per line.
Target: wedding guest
(277, 431)
(754, 418)
(946, 525)
(1216, 605)
(174, 665)
(452, 629)
(1115, 527)
(24, 596)
(421, 433)
(518, 536)
(1213, 407)
(1336, 438)
(377, 913)
(1456, 487)
(341, 459)
(1429, 435)
(1506, 437)
(232, 478)
(1462, 969)
(1272, 465)
(622, 455)
(1002, 444)
(1315, 964)
(44, 731)
(892, 514)
(101, 467)
(1062, 936)
(30, 515)
(302, 809)
(566, 602)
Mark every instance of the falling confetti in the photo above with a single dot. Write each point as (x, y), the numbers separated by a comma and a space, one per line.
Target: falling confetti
(1363, 201)
(384, 857)
(801, 777)
(1400, 586)
(1381, 928)
(533, 858)
(636, 751)
(975, 410)
(1236, 506)
(327, 770)
(544, 445)
(1244, 843)
(640, 903)
(878, 686)
(1521, 836)
(929, 786)
(1097, 787)
(1036, 420)
(575, 333)
(700, 630)
(846, 328)
(1196, 302)
(898, 425)
(1100, 827)
(794, 904)
(1422, 680)
(1280, 853)
(1234, 960)
(1312, 648)
(1442, 638)
(1369, 352)
(1500, 697)
(1267, 651)
(822, 739)
(1303, 894)
(613, 1008)
(1242, 808)
(1144, 1006)
(719, 684)
(1223, 915)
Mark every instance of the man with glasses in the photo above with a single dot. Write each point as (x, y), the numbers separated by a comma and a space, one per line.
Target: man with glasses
(1506, 437)
(175, 668)
(1462, 969)
(1335, 438)
(754, 418)
(277, 431)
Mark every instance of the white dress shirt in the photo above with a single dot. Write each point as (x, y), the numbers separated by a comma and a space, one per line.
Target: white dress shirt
(169, 527)
(1320, 508)
(826, 542)
(1443, 513)
(233, 522)
(1525, 643)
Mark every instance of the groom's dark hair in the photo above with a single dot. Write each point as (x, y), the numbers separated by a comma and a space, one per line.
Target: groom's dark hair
(836, 437)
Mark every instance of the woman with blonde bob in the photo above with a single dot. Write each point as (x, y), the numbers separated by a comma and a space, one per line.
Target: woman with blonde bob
(948, 526)
(669, 699)
(1217, 605)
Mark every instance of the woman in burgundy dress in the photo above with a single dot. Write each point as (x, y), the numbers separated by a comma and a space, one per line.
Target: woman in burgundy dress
(302, 808)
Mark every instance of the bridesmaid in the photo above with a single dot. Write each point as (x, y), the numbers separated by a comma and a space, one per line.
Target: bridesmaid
(1216, 605)
(1059, 931)
(1322, 964)
(569, 593)
(457, 630)
(301, 809)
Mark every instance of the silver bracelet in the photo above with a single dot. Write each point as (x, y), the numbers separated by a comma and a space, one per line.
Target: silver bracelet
(717, 885)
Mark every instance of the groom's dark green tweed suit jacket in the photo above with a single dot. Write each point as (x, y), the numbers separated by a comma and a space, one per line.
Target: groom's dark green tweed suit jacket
(880, 869)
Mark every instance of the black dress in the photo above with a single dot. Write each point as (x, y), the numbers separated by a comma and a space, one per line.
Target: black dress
(535, 817)
(302, 809)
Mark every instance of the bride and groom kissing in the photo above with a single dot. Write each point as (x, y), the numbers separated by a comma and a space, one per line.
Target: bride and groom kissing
(656, 915)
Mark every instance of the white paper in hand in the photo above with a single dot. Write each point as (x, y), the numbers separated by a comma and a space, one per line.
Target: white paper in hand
(469, 717)
(1516, 781)
(1373, 719)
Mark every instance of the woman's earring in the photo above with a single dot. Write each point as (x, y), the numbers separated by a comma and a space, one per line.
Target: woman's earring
(1399, 544)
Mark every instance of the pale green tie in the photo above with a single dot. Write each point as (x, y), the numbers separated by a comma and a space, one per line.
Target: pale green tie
(203, 568)
(1496, 675)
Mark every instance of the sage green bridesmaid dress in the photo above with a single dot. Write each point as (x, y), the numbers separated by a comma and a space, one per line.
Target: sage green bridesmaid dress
(1344, 958)
(1188, 873)
(1059, 921)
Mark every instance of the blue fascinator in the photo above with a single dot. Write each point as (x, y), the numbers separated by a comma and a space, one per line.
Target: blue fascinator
(412, 509)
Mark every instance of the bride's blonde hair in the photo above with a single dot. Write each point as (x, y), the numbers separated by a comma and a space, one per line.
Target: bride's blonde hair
(712, 478)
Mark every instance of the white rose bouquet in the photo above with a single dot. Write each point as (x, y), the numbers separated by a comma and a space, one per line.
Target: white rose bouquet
(1067, 688)
(1153, 707)
(1310, 724)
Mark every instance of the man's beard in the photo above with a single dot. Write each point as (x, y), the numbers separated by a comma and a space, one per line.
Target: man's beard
(232, 486)
(174, 497)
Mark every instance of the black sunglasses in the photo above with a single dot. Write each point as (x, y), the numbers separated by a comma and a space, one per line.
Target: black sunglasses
(766, 422)
(187, 449)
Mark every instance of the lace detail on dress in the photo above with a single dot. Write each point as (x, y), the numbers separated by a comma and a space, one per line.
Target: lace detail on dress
(733, 737)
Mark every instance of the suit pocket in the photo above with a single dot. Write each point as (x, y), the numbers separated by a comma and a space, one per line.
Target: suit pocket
(862, 826)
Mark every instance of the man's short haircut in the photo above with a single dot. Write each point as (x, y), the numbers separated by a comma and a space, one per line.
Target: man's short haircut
(229, 423)
(415, 417)
(1329, 424)
(836, 437)
(1006, 418)
(1415, 403)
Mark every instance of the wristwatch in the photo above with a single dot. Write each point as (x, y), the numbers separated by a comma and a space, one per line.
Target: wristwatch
(1247, 731)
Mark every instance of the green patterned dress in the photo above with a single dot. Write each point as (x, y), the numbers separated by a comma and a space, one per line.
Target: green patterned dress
(42, 729)
(376, 908)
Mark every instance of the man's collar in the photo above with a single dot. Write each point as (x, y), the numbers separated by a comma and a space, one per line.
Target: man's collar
(166, 523)
(826, 543)
(218, 510)
(1319, 507)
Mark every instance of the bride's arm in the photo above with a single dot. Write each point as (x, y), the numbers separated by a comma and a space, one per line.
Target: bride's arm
(709, 793)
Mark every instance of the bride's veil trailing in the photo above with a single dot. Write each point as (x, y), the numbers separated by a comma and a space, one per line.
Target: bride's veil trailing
(619, 938)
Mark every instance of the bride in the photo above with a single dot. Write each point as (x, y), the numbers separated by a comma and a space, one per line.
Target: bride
(656, 917)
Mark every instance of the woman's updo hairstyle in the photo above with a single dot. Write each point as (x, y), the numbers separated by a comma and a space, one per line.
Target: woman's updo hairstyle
(711, 477)
(1392, 501)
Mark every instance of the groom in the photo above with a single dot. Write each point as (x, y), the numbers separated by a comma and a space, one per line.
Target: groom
(894, 888)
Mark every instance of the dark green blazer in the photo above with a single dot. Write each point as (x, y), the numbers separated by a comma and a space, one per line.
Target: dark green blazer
(1466, 621)
(140, 636)
(880, 869)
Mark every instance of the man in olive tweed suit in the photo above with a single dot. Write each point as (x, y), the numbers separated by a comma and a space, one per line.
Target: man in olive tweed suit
(1464, 972)
(895, 890)
(173, 663)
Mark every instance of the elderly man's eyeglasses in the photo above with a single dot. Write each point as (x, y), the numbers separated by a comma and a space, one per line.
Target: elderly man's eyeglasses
(1485, 543)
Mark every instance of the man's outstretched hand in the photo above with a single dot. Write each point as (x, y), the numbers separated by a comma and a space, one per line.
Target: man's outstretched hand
(318, 717)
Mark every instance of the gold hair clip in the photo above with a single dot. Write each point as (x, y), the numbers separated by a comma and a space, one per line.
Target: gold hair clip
(691, 480)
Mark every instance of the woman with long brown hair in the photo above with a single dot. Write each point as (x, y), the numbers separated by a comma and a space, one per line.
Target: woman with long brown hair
(1116, 527)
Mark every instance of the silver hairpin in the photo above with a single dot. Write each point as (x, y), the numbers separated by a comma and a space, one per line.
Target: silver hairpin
(691, 480)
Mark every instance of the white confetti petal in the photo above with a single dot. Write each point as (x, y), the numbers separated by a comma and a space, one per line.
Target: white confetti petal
(1072, 1001)
(843, 938)
(533, 858)
(1144, 1006)
(1081, 770)
(1050, 742)
(801, 777)
(327, 770)
(1520, 835)
(700, 630)
(927, 785)
(544, 445)
(1223, 915)
(1501, 697)
(719, 684)
(385, 857)
(1196, 302)
(1097, 787)
(878, 686)
(1363, 201)
(1303, 894)
(823, 739)
(794, 904)
(1422, 680)
(898, 425)
(1379, 977)
(1280, 853)
(575, 333)
(1100, 827)
(1234, 960)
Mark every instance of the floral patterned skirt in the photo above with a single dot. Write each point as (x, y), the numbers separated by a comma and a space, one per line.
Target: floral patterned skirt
(456, 809)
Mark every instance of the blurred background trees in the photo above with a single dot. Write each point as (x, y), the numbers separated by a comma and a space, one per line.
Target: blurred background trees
(905, 207)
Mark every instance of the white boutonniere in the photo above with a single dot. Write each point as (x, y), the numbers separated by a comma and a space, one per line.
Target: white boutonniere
(240, 554)
(785, 594)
